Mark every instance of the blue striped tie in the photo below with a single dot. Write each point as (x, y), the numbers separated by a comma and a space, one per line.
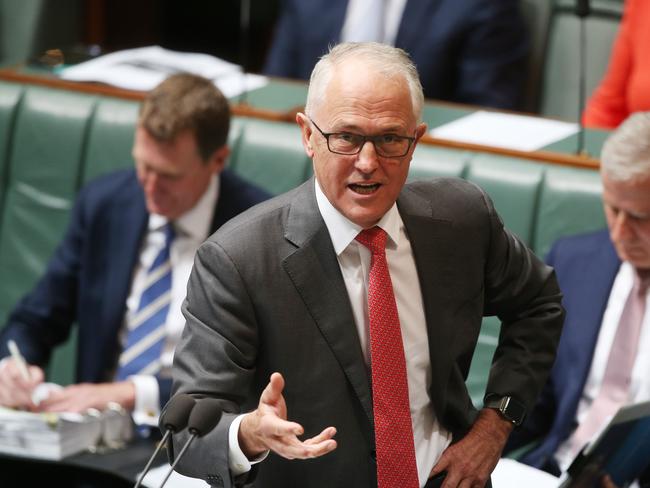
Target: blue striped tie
(146, 336)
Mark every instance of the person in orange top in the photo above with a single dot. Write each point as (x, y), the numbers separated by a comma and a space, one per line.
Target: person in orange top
(625, 87)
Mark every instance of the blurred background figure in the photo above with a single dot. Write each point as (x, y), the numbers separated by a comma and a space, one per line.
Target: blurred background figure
(470, 51)
(604, 354)
(121, 271)
(625, 86)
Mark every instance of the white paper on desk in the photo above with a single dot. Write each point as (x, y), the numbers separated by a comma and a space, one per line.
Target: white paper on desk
(522, 132)
(512, 474)
(155, 477)
(144, 68)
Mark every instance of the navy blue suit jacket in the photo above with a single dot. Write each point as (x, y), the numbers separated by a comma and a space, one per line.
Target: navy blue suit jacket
(585, 267)
(88, 279)
(468, 51)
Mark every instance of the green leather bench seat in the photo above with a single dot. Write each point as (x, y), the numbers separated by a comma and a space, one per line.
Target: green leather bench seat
(271, 155)
(53, 141)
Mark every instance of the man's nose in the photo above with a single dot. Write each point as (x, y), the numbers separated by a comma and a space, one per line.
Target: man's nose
(622, 228)
(367, 159)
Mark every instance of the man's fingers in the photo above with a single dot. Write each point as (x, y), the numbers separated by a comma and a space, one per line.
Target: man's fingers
(291, 447)
(273, 391)
(323, 436)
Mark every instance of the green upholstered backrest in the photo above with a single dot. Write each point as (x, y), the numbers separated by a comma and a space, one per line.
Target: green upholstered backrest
(270, 154)
(513, 185)
(570, 203)
(430, 161)
(110, 138)
(48, 142)
(9, 101)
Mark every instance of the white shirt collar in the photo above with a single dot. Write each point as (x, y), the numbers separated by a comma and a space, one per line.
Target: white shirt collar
(196, 222)
(343, 231)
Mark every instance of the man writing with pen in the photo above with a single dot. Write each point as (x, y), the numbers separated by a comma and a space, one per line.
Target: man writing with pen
(119, 275)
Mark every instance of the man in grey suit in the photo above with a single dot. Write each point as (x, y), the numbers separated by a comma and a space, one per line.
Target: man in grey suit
(282, 319)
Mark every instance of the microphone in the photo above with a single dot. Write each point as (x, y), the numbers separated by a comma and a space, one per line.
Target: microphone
(582, 10)
(203, 418)
(174, 419)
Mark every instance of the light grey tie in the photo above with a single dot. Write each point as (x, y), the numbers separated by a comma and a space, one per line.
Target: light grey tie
(618, 373)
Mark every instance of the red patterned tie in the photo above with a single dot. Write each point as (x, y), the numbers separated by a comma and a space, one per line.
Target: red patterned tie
(396, 466)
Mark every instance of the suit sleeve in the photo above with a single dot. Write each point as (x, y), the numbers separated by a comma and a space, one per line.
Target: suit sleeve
(523, 292)
(538, 422)
(216, 355)
(43, 318)
(492, 57)
(607, 107)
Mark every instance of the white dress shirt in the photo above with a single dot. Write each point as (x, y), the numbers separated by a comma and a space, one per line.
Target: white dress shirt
(356, 13)
(354, 259)
(640, 385)
(191, 229)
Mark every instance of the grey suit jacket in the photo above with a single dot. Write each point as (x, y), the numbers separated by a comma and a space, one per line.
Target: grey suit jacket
(278, 303)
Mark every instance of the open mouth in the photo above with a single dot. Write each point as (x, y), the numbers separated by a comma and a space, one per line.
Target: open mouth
(364, 189)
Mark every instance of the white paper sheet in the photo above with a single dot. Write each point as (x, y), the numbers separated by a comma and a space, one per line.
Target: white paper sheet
(144, 68)
(509, 131)
(155, 477)
(512, 474)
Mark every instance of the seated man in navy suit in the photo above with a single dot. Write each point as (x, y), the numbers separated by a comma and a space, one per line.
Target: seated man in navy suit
(470, 51)
(100, 274)
(604, 354)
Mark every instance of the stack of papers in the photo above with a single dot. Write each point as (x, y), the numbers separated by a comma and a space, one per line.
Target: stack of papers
(143, 68)
(509, 131)
(55, 436)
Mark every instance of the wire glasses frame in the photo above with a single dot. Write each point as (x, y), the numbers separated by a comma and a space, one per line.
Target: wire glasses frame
(348, 143)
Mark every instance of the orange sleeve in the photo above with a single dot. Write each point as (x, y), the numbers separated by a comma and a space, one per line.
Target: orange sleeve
(608, 107)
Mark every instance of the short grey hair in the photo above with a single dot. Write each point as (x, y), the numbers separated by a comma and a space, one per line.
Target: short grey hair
(389, 61)
(626, 153)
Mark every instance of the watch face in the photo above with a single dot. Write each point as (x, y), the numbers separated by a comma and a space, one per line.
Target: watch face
(513, 410)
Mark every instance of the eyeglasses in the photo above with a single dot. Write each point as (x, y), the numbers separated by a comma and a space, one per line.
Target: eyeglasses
(348, 144)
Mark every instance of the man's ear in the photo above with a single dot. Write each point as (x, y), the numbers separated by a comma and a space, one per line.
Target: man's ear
(306, 130)
(217, 161)
(420, 131)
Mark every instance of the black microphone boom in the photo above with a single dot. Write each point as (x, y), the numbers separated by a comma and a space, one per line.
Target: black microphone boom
(174, 419)
(203, 418)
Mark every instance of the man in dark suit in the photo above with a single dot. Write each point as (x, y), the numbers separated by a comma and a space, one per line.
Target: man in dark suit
(596, 272)
(363, 345)
(99, 270)
(469, 51)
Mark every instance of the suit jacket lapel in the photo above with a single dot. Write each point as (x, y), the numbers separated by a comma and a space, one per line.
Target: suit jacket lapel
(127, 224)
(589, 309)
(315, 272)
(430, 244)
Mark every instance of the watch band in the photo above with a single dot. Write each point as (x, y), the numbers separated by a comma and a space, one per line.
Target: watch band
(509, 408)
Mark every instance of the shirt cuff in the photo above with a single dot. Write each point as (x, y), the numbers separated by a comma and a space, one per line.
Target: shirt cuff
(237, 460)
(147, 406)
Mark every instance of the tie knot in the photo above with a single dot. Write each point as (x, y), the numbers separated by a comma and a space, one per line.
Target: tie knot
(641, 282)
(373, 238)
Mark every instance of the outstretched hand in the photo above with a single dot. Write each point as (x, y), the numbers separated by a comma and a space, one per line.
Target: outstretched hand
(267, 428)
